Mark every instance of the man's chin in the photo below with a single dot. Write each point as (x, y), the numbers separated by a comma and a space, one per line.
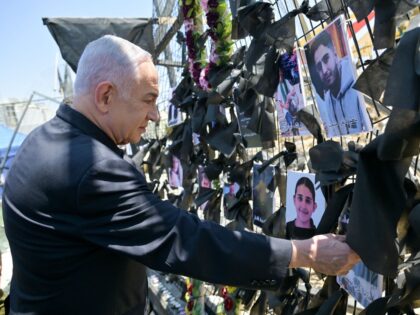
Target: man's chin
(136, 139)
(329, 84)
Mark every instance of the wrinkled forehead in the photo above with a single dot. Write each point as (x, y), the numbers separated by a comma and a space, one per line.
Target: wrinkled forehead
(147, 77)
(146, 70)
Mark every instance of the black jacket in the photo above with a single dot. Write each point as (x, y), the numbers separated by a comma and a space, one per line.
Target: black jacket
(82, 226)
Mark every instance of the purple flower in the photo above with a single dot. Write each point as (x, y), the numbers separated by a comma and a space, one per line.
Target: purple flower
(213, 3)
(204, 81)
(213, 35)
(214, 58)
(204, 5)
(212, 18)
(191, 54)
(194, 73)
(185, 9)
(189, 38)
(188, 24)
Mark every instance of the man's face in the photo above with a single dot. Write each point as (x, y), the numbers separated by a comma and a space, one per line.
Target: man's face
(305, 205)
(133, 111)
(326, 65)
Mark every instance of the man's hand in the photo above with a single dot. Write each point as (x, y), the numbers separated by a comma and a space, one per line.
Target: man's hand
(328, 254)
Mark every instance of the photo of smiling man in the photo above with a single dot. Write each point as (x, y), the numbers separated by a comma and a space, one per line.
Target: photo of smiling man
(304, 205)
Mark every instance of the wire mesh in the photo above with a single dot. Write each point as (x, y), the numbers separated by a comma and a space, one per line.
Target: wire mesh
(169, 75)
(362, 50)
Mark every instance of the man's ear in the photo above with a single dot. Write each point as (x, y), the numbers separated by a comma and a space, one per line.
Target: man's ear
(315, 206)
(104, 93)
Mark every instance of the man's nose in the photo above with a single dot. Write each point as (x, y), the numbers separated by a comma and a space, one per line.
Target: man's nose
(153, 115)
(324, 68)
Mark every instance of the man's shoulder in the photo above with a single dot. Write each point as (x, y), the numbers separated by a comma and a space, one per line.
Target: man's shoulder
(346, 61)
(57, 143)
(347, 75)
(347, 70)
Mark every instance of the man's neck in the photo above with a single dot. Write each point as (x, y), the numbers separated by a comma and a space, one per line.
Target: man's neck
(84, 105)
(336, 87)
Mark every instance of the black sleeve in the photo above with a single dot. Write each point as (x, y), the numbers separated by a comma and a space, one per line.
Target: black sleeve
(120, 213)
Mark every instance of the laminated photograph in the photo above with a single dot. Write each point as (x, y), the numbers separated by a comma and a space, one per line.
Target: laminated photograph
(289, 96)
(230, 197)
(203, 183)
(250, 139)
(333, 75)
(305, 205)
(174, 115)
(262, 193)
(362, 284)
(175, 173)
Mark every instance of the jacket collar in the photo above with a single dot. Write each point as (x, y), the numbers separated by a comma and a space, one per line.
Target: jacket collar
(81, 122)
(346, 75)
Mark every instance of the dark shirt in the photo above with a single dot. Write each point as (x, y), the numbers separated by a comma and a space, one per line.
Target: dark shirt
(294, 232)
(82, 225)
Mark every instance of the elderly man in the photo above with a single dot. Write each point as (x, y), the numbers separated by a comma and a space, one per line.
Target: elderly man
(340, 106)
(83, 225)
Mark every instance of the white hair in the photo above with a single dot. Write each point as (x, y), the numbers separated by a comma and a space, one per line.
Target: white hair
(109, 58)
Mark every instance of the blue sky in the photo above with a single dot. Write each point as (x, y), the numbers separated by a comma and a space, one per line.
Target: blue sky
(28, 51)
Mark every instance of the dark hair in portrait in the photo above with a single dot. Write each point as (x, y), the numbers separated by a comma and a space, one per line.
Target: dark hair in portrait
(302, 227)
(323, 39)
(307, 183)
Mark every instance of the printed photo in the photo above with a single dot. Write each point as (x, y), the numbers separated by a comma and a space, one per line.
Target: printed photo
(363, 284)
(203, 182)
(174, 115)
(195, 138)
(289, 96)
(250, 139)
(230, 195)
(262, 193)
(175, 173)
(341, 107)
(305, 205)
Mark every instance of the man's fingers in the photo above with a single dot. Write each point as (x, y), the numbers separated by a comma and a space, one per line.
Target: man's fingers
(341, 238)
(354, 257)
(343, 273)
(332, 255)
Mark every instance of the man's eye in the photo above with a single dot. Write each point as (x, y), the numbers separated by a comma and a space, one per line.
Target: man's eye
(326, 58)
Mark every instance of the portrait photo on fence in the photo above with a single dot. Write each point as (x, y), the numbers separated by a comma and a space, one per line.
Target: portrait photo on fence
(289, 96)
(230, 195)
(305, 205)
(333, 75)
(175, 173)
(203, 183)
(362, 283)
(174, 115)
(262, 193)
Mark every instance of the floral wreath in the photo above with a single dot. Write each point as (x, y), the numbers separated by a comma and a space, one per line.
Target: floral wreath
(219, 22)
(194, 297)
